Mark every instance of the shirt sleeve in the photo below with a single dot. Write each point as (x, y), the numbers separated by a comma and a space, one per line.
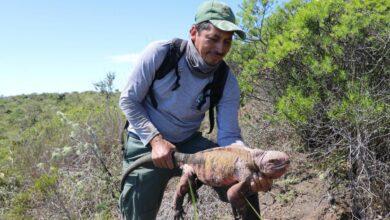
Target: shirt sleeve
(227, 113)
(137, 88)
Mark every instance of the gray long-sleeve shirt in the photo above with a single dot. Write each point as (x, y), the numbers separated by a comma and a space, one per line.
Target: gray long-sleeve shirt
(176, 117)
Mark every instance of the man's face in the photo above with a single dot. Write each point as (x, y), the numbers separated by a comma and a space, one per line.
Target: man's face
(212, 44)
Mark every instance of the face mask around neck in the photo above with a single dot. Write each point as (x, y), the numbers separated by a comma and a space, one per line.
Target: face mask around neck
(196, 62)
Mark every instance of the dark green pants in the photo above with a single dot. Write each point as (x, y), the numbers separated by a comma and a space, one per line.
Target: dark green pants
(144, 188)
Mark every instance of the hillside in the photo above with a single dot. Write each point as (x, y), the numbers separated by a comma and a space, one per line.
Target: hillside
(61, 158)
(314, 79)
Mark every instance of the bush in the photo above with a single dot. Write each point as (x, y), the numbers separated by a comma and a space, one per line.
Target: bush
(325, 63)
(77, 133)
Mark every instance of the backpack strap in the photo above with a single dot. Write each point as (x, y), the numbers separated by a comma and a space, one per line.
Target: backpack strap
(216, 92)
(176, 50)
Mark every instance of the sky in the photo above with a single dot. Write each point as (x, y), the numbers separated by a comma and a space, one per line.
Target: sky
(57, 46)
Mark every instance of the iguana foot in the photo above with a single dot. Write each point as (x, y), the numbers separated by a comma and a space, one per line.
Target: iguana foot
(236, 214)
(182, 189)
(179, 214)
(236, 195)
(239, 212)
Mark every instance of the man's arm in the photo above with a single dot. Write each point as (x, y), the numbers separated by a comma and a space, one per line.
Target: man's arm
(131, 103)
(136, 90)
(228, 128)
(227, 113)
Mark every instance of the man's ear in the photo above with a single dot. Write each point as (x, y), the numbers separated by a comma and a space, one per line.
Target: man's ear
(193, 33)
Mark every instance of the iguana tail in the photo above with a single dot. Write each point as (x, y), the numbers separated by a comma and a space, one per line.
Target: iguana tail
(178, 158)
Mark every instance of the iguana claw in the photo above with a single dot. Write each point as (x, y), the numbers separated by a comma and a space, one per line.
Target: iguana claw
(179, 214)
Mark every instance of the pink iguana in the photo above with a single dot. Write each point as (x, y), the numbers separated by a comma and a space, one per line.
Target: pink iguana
(233, 166)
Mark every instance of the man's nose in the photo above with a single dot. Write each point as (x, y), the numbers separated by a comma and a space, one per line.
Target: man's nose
(219, 47)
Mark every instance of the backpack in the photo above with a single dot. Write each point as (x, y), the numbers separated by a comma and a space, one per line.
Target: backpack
(176, 50)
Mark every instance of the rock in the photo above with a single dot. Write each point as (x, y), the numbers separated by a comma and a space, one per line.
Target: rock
(267, 199)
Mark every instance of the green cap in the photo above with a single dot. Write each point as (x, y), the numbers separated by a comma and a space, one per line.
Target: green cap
(220, 15)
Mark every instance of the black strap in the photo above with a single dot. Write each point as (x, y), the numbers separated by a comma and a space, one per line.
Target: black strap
(123, 134)
(176, 50)
(126, 124)
(216, 92)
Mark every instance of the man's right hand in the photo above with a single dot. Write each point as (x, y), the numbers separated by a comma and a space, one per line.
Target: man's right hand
(162, 152)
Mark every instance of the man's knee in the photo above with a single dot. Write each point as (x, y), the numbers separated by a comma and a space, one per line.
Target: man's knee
(142, 194)
(127, 198)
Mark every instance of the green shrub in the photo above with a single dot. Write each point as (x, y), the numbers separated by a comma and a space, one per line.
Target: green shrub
(325, 66)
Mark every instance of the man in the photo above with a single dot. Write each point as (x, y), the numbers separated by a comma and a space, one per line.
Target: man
(173, 125)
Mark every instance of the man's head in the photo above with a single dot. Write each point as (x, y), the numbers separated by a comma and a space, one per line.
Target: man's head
(213, 31)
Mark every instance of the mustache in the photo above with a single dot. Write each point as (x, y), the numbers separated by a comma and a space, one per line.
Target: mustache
(216, 53)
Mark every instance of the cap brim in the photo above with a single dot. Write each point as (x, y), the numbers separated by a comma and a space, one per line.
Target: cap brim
(228, 26)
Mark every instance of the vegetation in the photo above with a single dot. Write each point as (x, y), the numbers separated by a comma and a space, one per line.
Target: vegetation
(325, 66)
(59, 155)
(322, 66)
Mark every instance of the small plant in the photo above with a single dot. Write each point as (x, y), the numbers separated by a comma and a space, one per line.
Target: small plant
(253, 208)
(286, 197)
(291, 180)
(193, 201)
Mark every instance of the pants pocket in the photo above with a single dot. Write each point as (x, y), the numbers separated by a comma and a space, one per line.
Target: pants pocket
(134, 149)
(127, 199)
(152, 190)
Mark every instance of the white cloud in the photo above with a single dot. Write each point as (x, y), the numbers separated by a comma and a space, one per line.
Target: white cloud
(130, 58)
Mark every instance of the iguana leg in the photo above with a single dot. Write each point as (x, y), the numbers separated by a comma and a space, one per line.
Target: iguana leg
(182, 189)
(235, 213)
(236, 195)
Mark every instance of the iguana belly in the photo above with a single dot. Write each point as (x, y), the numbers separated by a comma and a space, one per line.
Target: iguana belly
(215, 180)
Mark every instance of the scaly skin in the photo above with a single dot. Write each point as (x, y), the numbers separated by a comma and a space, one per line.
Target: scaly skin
(233, 166)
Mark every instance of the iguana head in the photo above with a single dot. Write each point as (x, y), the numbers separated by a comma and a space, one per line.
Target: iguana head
(272, 164)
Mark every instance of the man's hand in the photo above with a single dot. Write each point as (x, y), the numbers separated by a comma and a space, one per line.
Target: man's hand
(260, 183)
(162, 152)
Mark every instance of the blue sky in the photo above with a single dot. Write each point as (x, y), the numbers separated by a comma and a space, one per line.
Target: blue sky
(67, 45)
